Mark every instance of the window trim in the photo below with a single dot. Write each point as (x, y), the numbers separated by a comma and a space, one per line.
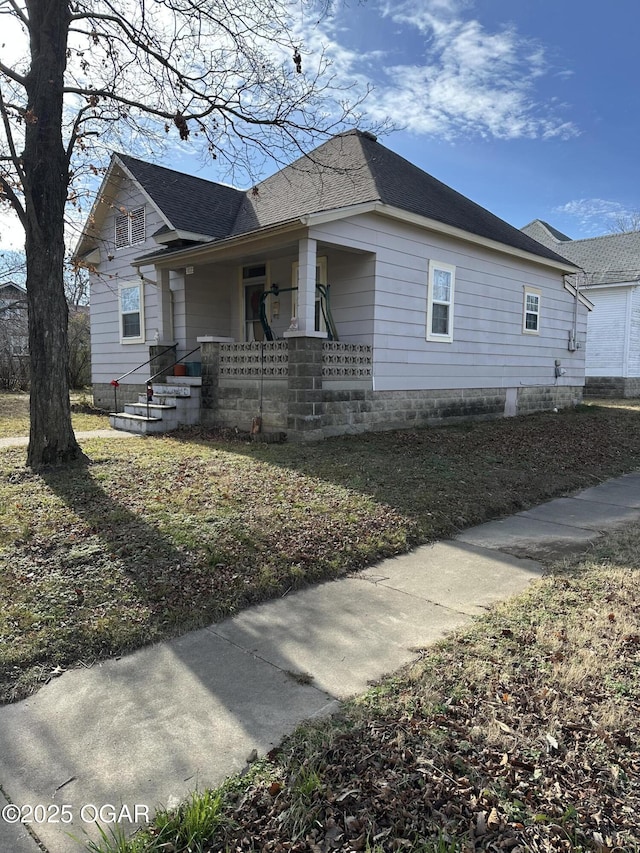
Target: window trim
(137, 339)
(129, 217)
(435, 266)
(531, 291)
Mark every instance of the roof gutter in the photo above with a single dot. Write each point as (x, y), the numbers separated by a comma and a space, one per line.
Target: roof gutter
(214, 248)
(469, 237)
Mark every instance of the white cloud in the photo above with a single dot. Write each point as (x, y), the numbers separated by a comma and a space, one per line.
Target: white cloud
(11, 231)
(472, 81)
(597, 215)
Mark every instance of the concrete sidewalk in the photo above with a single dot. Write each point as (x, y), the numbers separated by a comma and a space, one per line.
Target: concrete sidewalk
(145, 730)
(107, 432)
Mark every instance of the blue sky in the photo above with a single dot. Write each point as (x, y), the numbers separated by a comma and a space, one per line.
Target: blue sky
(529, 107)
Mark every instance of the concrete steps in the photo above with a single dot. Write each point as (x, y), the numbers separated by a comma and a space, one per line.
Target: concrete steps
(175, 403)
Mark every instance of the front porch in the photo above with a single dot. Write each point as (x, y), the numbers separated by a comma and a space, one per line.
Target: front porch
(307, 388)
(285, 385)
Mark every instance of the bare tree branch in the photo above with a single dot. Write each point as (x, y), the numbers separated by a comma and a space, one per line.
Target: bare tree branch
(229, 74)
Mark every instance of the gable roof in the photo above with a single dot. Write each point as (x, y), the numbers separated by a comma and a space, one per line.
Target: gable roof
(609, 259)
(347, 170)
(190, 204)
(21, 291)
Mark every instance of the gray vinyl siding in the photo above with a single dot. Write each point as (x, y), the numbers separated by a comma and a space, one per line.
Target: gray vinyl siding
(351, 278)
(209, 299)
(489, 348)
(608, 333)
(109, 358)
(377, 269)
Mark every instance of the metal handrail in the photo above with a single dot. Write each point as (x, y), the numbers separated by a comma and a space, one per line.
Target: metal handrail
(169, 366)
(116, 382)
(164, 369)
(325, 307)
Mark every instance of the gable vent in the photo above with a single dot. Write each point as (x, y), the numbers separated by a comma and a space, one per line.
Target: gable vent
(130, 228)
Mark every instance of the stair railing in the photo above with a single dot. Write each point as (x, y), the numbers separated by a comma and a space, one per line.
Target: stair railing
(164, 370)
(116, 382)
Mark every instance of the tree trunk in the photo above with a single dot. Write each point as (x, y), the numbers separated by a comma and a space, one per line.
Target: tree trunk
(46, 180)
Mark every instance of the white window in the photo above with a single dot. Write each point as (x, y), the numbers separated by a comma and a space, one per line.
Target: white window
(131, 299)
(440, 293)
(321, 278)
(531, 311)
(130, 228)
(18, 344)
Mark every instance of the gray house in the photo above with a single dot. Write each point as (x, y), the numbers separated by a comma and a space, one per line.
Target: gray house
(350, 291)
(611, 280)
(14, 336)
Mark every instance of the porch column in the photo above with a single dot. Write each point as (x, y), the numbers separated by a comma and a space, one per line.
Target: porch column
(165, 311)
(306, 285)
(306, 314)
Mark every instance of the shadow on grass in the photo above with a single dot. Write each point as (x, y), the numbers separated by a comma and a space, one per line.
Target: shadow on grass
(149, 726)
(448, 478)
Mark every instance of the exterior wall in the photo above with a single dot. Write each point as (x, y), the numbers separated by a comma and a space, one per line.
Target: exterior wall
(374, 411)
(489, 348)
(208, 297)
(242, 383)
(378, 270)
(310, 389)
(352, 294)
(215, 301)
(103, 397)
(608, 343)
(110, 358)
(612, 386)
(633, 359)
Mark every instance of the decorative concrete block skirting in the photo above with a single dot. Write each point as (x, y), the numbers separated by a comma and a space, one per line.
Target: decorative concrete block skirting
(311, 389)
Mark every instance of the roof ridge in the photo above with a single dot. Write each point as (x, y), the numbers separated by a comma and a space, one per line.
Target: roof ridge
(606, 236)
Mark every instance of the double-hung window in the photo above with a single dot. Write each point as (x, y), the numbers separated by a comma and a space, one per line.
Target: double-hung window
(531, 311)
(130, 228)
(440, 293)
(131, 303)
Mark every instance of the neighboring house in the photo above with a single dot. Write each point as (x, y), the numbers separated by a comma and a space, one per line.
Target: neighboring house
(611, 280)
(350, 291)
(14, 336)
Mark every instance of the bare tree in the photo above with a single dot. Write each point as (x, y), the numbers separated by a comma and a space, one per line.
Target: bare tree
(229, 72)
(627, 222)
(13, 266)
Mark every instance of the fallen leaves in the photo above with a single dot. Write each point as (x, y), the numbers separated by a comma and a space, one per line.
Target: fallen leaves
(424, 759)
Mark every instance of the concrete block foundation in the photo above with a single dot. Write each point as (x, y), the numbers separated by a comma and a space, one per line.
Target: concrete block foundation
(310, 389)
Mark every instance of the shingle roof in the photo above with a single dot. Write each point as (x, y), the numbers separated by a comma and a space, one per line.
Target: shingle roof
(349, 169)
(610, 258)
(190, 204)
(544, 233)
(352, 168)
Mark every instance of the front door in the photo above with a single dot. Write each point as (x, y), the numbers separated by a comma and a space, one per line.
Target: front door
(253, 279)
